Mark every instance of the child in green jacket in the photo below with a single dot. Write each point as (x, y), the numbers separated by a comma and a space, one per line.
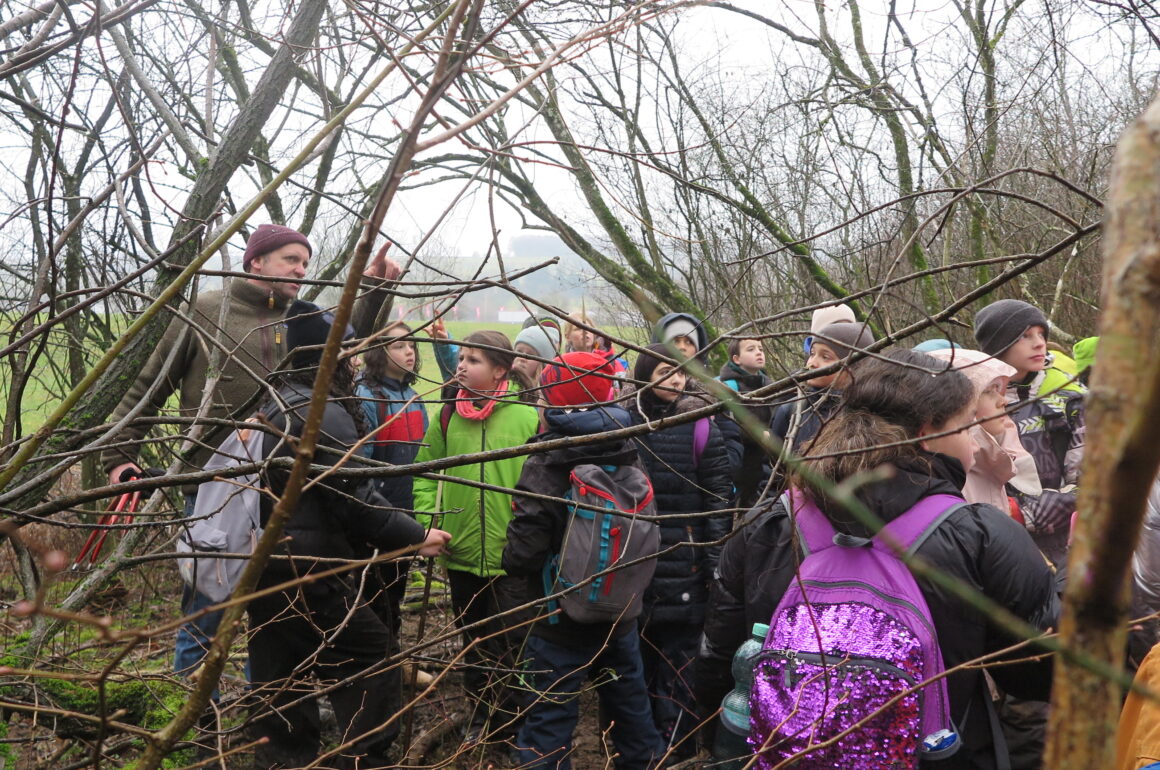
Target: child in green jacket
(486, 414)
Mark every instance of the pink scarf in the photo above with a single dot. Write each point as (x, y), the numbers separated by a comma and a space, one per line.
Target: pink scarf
(469, 411)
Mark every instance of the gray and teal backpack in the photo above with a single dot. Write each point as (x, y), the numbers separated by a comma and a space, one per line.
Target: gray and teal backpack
(609, 525)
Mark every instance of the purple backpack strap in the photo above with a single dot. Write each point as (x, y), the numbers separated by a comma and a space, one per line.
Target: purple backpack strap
(907, 532)
(700, 440)
(910, 530)
(816, 531)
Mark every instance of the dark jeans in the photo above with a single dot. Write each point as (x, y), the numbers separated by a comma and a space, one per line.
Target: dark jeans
(491, 678)
(667, 651)
(559, 675)
(290, 640)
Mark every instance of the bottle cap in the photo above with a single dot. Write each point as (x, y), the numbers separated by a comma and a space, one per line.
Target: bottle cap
(941, 744)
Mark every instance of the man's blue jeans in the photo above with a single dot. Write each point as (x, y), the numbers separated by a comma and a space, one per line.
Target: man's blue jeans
(194, 637)
(560, 673)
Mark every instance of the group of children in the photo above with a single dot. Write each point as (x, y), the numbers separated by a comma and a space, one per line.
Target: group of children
(957, 421)
(995, 436)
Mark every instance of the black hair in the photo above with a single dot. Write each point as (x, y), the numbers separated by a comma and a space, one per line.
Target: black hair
(341, 388)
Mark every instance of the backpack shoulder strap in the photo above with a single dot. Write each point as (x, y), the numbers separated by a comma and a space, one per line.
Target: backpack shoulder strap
(700, 440)
(910, 530)
(445, 418)
(732, 384)
(382, 402)
(815, 530)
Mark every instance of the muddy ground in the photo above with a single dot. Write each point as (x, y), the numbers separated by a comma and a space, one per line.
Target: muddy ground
(148, 597)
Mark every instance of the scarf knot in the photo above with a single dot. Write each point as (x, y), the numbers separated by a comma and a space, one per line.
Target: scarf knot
(466, 409)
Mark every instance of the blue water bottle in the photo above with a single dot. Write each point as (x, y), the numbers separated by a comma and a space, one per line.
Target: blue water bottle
(731, 749)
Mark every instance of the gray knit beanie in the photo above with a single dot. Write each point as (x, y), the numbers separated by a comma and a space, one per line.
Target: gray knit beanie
(843, 337)
(543, 339)
(999, 325)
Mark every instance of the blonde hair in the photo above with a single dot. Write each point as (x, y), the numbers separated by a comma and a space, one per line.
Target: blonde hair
(571, 324)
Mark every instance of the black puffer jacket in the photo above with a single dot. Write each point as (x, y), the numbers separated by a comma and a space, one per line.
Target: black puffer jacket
(338, 518)
(978, 545)
(536, 532)
(684, 486)
(754, 468)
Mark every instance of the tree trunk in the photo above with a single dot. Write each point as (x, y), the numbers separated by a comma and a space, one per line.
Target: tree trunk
(1121, 456)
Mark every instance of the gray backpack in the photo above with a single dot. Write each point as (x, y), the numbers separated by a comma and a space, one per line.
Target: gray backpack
(605, 530)
(226, 519)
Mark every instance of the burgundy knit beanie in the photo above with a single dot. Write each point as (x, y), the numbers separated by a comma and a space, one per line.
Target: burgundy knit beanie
(267, 238)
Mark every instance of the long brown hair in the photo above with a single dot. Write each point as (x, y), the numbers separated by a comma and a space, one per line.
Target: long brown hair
(375, 358)
(881, 415)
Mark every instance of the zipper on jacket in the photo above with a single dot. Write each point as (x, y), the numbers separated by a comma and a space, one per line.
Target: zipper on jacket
(483, 499)
(267, 348)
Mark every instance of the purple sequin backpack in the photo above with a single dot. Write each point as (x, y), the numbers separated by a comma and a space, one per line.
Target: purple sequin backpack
(837, 680)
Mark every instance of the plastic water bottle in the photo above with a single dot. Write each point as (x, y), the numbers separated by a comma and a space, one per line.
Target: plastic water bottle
(731, 748)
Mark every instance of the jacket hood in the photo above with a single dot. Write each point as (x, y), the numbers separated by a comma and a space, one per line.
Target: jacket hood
(589, 422)
(583, 423)
(731, 371)
(294, 391)
(682, 319)
(390, 383)
(646, 404)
